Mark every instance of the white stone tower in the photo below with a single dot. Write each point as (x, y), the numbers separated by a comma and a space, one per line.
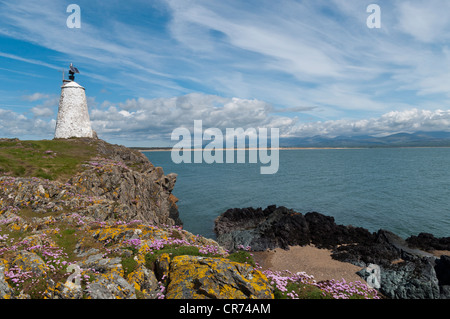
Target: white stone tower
(73, 116)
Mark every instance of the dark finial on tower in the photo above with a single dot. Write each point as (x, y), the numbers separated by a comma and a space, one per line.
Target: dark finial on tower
(72, 72)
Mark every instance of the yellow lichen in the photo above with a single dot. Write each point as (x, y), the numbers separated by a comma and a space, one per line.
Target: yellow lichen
(210, 278)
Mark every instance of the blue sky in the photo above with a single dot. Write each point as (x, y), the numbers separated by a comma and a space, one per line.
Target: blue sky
(306, 67)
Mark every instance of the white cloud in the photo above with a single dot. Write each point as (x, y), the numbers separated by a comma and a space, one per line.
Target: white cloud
(13, 124)
(35, 97)
(150, 121)
(144, 117)
(408, 121)
(42, 111)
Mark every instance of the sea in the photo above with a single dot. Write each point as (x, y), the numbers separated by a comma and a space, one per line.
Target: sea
(403, 190)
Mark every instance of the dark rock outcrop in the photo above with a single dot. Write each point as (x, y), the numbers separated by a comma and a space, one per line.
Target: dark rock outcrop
(282, 227)
(261, 229)
(427, 241)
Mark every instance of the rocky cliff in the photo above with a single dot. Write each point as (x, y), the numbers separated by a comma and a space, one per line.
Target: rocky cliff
(110, 229)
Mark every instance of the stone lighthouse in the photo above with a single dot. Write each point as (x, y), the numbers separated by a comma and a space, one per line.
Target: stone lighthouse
(73, 116)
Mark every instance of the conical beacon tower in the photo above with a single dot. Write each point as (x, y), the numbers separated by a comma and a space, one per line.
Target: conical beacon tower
(73, 116)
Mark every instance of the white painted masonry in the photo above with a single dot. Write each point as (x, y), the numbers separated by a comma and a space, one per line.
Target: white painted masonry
(73, 116)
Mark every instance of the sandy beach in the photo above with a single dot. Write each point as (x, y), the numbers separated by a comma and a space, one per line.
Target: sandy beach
(169, 149)
(310, 259)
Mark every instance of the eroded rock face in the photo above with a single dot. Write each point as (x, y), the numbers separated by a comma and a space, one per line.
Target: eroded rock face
(146, 196)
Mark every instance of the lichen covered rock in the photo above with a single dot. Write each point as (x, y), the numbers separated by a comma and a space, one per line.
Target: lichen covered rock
(192, 277)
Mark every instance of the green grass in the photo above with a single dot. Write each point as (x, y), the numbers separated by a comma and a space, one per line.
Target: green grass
(173, 251)
(67, 240)
(303, 291)
(177, 250)
(242, 256)
(49, 159)
(128, 265)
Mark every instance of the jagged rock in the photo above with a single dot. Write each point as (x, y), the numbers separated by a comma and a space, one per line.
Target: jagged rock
(5, 289)
(103, 265)
(428, 242)
(111, 286)
(143, 196)
(372, 275)
(118, 183)
(261, 229)
(30, 262)
(410, 280)
(68, 290)
(162, 267)
(145, 282)
(215, 278)
(325, 233)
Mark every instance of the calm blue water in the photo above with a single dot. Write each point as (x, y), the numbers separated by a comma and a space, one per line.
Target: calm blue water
(404, 190)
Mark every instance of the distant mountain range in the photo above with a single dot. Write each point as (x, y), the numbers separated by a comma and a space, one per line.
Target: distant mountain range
(418, 139)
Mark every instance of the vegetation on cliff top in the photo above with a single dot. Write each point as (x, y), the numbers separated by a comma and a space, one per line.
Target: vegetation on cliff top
(48, 159)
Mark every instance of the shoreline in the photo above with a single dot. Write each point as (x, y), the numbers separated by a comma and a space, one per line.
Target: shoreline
(252, 149)
(169, 149)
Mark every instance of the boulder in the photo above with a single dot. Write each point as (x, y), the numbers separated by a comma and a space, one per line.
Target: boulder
(29, 262)
(412, 279)
(193, 277)
(5, 290)
(111, 286)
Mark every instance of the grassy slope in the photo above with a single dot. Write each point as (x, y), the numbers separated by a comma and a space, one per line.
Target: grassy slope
(49, 159)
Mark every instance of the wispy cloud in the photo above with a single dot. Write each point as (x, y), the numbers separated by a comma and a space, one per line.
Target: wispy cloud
(31, 61)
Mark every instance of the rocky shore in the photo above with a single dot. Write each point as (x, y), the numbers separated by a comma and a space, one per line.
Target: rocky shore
(415, 268)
